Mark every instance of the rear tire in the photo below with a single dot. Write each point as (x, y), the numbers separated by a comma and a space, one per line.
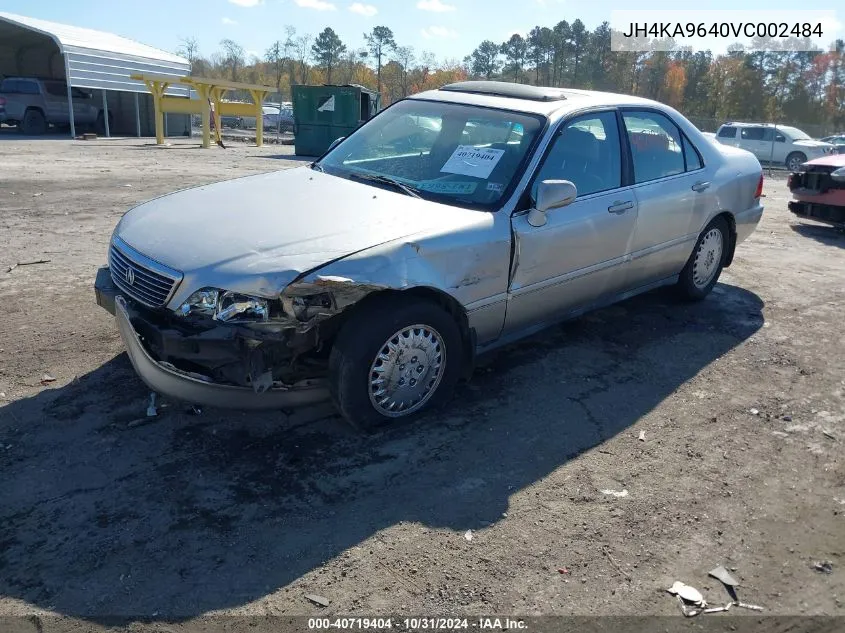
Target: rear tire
(706, 262)
(394, 358)
(34, 123)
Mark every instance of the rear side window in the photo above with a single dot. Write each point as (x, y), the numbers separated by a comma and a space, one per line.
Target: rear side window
(691, 156)
(727, 132)
(655, 144)
(753, 133)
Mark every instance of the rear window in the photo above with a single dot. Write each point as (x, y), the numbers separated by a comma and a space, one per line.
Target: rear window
(9, 86)
(727, 132)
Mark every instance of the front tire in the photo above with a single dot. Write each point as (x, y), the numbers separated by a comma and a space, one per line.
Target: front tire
(706, 262)
(394, 358)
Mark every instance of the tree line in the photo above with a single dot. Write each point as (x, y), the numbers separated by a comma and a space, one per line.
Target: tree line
(299, 58)
(783, 86)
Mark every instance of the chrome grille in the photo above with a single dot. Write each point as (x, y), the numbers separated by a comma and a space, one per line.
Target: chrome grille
(139, 277)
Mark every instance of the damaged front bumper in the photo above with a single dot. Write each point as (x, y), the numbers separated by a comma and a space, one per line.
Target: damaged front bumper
(194, 387)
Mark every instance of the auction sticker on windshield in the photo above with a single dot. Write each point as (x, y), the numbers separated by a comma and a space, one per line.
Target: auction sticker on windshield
(467, 160)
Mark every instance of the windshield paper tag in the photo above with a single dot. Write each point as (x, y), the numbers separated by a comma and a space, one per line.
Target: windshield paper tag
(458, 188)
(467, 160)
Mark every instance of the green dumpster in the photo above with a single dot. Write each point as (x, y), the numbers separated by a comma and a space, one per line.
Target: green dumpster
(322, 114)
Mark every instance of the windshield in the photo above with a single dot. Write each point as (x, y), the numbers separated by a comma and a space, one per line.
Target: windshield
(794, 133)
(448, 152)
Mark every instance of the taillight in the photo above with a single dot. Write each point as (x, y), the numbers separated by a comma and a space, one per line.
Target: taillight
(759, 192)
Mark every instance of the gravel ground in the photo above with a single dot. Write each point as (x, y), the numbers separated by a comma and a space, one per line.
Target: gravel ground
(739, 400)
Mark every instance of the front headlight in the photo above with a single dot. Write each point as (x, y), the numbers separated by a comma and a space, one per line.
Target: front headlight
(225, 306)
(838, 175)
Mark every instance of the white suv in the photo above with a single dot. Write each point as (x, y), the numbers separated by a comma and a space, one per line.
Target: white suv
(770, 143)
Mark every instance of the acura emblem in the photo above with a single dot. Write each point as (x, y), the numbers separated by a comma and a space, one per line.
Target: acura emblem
(130, 276)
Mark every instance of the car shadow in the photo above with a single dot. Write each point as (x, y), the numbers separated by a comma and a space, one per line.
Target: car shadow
(104, 514)
(829, 235)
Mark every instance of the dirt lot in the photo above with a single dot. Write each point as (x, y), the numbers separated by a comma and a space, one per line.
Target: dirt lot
(741, 399)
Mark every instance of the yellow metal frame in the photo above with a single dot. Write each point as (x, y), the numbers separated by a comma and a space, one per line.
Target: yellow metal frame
(208, 90)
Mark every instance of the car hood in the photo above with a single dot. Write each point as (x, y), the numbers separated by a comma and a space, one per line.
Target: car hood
(273, 227)
(810, 143)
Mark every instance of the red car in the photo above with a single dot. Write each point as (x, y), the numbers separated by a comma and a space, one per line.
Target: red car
(818, 190)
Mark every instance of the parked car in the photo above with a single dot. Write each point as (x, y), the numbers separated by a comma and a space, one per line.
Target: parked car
(273, 116)
(375, 275)
(231, 121)
(779, 144)
(837, 140)
(818, 190)
(34, 104)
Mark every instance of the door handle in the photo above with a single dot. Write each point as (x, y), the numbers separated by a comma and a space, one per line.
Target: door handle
(619, 206)
(700, 186)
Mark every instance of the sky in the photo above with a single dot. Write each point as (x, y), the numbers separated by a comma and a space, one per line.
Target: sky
(450, 29)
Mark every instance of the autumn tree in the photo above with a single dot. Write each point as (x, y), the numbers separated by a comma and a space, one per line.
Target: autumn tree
(379, 42)
(327, 50)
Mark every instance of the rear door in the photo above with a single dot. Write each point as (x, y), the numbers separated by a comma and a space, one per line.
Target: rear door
(753, 140)
(55, 101)
(673, 192)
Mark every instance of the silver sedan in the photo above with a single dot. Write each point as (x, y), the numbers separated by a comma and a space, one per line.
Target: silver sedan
(453, 222)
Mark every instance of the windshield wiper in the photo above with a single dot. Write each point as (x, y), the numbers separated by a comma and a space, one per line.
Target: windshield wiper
(317, 167)
(396, 184)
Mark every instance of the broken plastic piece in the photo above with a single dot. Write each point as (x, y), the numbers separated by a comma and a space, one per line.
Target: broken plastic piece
(151, 408)
(318, 600)
(689, 594)
(615, 493)
(723, 575)
(745, 605)
(468, 535)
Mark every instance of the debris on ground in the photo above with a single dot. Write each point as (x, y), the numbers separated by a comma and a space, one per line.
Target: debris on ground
(615, 493)
(563, 570)
(32, 263)
(151, 408)
(46, 379)
(727, 607)
(828, 435)
(194, 410)
(754, 411)
(468, 535)
(724, 576)
(642, 436)
(687, 593)
(318, 600)
(615, 564)
(824, 567)
(745, 605)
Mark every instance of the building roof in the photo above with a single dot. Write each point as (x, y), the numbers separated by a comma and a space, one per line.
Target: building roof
(100, 60)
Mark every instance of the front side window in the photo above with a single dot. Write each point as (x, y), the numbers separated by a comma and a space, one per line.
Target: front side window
(655, 144)
(448, 152)
(587, 153)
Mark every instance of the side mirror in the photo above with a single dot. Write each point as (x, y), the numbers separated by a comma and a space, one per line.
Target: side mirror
(335, 143)
(551, 194)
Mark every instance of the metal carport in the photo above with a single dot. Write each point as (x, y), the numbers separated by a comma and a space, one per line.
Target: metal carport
(84, 58)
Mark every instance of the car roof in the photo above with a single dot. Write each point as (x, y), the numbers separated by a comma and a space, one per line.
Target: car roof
(529, 99)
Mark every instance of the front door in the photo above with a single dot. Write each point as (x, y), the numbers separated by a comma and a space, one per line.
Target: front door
(578, 256)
